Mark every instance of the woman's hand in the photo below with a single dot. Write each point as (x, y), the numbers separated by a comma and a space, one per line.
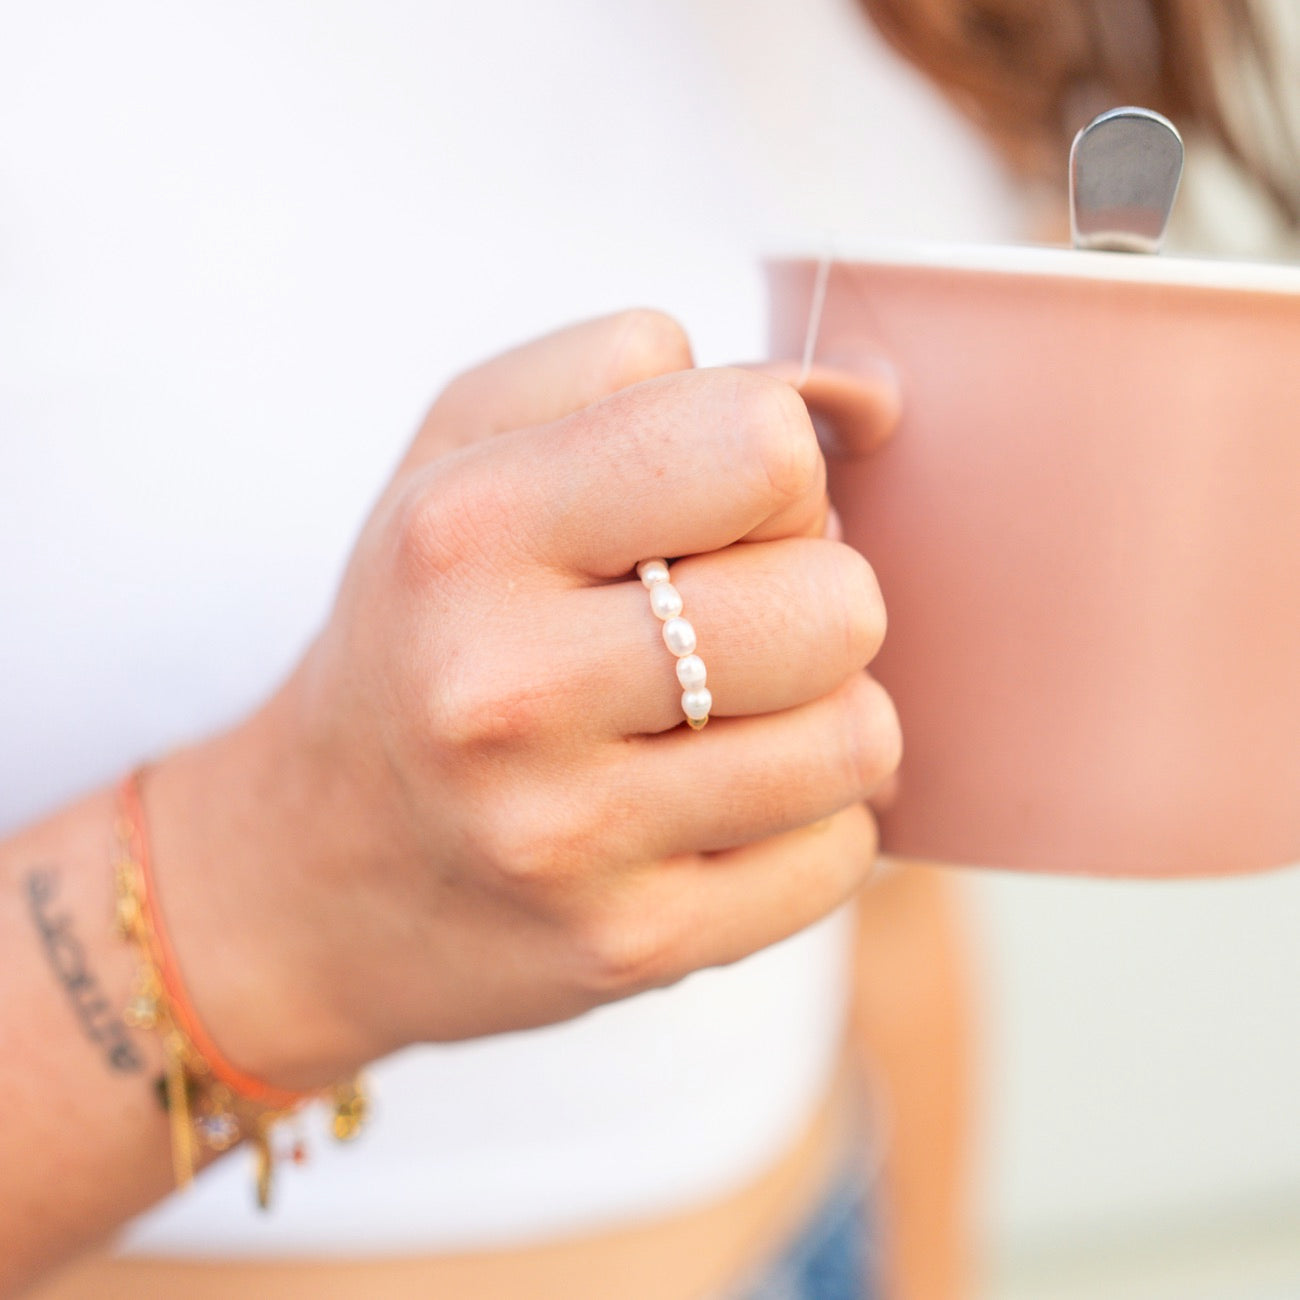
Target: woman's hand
(474, 807)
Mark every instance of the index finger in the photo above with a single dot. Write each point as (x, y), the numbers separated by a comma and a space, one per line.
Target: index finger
(678, 465)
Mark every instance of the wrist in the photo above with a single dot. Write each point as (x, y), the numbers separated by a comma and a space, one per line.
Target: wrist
(242, 843)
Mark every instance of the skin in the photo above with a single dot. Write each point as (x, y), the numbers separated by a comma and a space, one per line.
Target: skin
(913, 1040)
(473, 806)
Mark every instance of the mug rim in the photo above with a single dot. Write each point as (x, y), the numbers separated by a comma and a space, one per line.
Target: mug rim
(1078, 264)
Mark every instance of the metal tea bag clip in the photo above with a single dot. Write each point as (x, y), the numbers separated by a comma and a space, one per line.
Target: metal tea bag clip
(1124, 171)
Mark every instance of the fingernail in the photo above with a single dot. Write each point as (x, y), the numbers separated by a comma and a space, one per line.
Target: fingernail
(855, 395)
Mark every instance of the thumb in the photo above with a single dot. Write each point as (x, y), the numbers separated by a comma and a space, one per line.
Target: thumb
(551, 377)
(854, 398)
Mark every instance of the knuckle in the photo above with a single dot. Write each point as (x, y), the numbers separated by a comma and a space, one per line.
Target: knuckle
(517, 860)
(458, 393)
(646, 343)
(857, 596)
(462, 409)
(445, 522)
(422, 539)
(541, 840)
(780, 433)
(859, 850)
(621, 954)
(474, 710)
(520, 846)
(874, 740)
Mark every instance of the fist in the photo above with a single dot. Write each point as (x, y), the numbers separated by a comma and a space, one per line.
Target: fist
(502, 818)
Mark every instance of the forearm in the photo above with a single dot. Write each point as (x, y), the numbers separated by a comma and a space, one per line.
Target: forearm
(84, 1143)
(914, 1037)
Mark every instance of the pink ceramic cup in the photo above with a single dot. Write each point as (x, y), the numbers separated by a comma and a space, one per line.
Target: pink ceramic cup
(1087, 530)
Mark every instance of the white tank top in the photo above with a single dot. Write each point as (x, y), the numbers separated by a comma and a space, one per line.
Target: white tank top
(241, 246)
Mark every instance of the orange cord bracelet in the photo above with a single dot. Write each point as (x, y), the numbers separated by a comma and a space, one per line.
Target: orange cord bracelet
(237, 1080)
(210, 1101)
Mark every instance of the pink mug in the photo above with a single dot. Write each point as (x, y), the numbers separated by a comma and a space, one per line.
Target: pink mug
(1087, 530)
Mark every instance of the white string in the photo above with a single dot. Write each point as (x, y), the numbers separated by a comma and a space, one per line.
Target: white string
(815, 308)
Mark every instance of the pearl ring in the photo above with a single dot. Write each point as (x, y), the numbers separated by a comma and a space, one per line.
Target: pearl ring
(679, 637)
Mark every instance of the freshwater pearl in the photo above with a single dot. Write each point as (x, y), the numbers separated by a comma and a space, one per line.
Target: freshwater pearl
(697, 703)
(679, 637)
(665, 600)
(690, 672)
(652, 571)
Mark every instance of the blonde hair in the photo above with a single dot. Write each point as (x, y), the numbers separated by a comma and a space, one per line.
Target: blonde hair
(1031, 74)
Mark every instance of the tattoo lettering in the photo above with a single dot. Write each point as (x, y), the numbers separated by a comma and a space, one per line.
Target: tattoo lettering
(67, 957)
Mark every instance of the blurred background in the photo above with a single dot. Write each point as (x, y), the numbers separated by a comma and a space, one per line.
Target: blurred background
(1141, 1073)
(248, 197)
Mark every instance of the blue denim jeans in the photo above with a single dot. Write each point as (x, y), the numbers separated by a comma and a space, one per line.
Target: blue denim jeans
(830, 1257)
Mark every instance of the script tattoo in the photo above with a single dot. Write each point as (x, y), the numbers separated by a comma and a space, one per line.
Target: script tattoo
(67, 957)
